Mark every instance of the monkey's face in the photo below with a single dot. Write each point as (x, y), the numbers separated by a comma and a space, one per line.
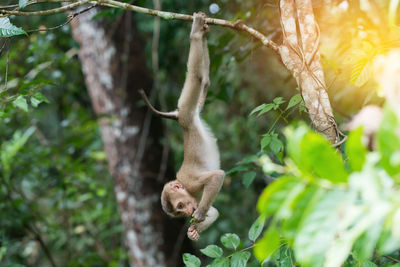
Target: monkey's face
(183, 203)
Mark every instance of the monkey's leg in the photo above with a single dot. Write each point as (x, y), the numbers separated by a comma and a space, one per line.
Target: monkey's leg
(211, 216)
(189, 99)
(212, 183)
(205, 82)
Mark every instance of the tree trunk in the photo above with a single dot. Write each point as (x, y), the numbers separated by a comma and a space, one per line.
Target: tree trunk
(114, 67)
(300, 54)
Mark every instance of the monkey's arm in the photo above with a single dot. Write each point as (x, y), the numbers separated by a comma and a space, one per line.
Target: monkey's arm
(212, 182)
(196, 228)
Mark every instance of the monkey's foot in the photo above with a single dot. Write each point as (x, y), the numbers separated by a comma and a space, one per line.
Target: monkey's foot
(199, 215)
(193, 234)
(199, 26)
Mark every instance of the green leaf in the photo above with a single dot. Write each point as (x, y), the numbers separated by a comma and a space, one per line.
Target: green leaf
(355, 150)
(20, 102)
(302, 107)
(298, 205)
(266, 109)
(248, 178)
(10, 148)
(266, 246)
(294, 138)
(362, 70)
(221, 262)
(389, 143)
(239, 259)
(256, 228)
(365, 245)
(35, 103)
(22, 3)
(38, 98)
(286, 257)
(275, 194)
(3, 114)
(368, 264)
(319, 158)
(231, 241)
(296, 99)
(257, 109)
(190, 260)
(3, 251)
(248, 159)
(388, 243)
(212, 251)
(276, 145)
(8, 30)
(239, 168)
(265, 141)
(319, 225)
(278, 100)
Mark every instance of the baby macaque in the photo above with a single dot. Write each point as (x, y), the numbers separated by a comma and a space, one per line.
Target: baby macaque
(199, 179)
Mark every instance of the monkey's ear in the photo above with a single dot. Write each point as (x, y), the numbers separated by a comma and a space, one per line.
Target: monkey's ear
(176, 185)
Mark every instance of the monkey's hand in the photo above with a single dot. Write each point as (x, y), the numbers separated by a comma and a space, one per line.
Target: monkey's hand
(199, 27)
(193, 233)
(199, 215)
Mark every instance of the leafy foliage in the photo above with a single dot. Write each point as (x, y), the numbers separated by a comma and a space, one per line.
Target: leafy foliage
(231, 242)
(7, 29)
(323, 210)
(55, 192)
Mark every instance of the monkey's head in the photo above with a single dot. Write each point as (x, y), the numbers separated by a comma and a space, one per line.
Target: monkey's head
(176, 201)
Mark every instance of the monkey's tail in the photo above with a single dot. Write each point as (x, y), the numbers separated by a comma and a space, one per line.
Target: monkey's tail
(169, 115)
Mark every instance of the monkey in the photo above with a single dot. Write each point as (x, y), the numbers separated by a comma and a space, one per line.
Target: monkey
(199, 178)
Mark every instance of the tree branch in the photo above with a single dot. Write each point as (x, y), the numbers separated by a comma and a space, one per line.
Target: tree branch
(46, 12)
(34, 2)
(237, 25)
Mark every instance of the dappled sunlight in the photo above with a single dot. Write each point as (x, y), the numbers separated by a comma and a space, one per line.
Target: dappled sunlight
(351, 41)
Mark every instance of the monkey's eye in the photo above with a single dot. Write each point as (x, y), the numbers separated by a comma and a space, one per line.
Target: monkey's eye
(180, 206)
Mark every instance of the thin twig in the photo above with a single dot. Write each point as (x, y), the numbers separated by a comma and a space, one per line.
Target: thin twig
(6, 77)
(34, 2)
(70, 18)
(3, 45)
(391, 258)
(39, 238)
